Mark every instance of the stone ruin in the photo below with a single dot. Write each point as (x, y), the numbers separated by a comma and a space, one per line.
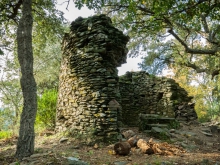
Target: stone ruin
(146, 94)
(89, 87)
(92, 98)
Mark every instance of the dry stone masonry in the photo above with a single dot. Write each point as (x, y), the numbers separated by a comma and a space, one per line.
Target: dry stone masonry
(93, 99)
(88, 90)
(146, 94)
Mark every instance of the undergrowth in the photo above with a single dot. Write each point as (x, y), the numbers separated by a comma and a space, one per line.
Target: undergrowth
(5, 134)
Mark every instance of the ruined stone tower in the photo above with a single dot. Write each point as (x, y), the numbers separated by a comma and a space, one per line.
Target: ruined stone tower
(88, 82)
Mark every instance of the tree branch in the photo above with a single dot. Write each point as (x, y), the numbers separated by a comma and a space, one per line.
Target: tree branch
(196, 68)
(215, 73)
(194, 51)
(15, 8)
(201, 70)
(191, 7)
(212, 35)
(205, 25)
(68, 2)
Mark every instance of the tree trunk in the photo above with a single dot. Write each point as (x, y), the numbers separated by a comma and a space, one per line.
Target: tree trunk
(25, 145)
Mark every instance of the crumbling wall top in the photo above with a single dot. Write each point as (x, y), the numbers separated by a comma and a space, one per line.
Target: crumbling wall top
(96, 34)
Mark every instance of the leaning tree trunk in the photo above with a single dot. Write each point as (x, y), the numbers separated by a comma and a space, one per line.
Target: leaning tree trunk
(25, 145)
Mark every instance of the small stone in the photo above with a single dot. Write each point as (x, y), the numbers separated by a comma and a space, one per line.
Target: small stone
(55, 144)
(120, 163)
(207, 130)
(38, 155)
(172, 131)
(210, 144)
(63, 139)
(96, 146)
(207, 134)
(75, 161)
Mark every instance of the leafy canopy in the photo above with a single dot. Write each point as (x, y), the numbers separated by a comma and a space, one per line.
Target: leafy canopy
(48, 29)
(184, 32)
(47, 23)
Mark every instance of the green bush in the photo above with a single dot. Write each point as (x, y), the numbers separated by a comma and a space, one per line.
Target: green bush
(5, 134)
(204, 118)
(46, 112)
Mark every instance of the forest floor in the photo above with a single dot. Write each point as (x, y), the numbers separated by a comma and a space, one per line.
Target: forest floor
(199, 149)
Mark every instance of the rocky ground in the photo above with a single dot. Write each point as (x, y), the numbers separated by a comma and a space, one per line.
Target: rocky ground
(196, 144)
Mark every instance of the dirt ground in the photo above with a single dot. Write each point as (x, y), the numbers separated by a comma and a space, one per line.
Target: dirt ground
(199, 149)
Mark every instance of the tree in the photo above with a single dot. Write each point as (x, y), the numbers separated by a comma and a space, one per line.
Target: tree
(47, 65)
(11, 95)
(46, 72)
(25, 145)
(186, 31)
(47, 23)
(205, 92)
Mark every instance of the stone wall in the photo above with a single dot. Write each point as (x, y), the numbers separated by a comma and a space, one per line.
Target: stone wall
(146, 94)
(90, 90)
(88, 82)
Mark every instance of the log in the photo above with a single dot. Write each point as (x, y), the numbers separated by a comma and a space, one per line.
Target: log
(128, 134)
(133, 141)
(145, 147)
(122, 148)
(155, 148)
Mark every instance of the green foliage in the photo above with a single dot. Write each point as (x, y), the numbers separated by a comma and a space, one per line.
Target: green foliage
(203, 118)
(48, 30)
(46, 112)
(174, 125)
(167, 33)
(205, 92)
(161, 135)
(5, 134)
(46, 66)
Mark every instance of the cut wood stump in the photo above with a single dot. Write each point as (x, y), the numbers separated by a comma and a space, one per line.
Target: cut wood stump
(145, 147)
(133, 141)
(122, 148)
(128, 134)
(150, 147)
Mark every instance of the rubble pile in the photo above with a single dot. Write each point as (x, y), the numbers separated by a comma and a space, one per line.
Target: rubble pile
(185, 112)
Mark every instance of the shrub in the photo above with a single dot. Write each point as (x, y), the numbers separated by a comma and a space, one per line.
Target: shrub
(5, 134)
(46, 112)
